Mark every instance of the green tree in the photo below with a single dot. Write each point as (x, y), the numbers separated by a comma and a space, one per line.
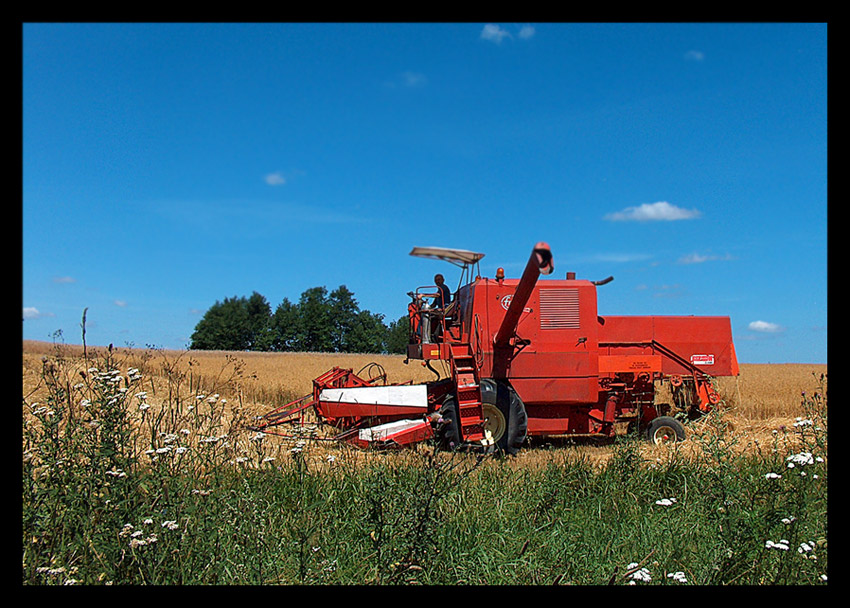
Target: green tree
(314, 331)
(368, 334)
(398, 336)
(284, 327)
(259, 322)
(225, 326)
(344, 312)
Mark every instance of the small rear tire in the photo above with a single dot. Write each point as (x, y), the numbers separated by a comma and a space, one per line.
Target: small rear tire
(665, 429)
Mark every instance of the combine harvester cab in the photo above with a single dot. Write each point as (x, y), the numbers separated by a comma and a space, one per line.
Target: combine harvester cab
(528, 358)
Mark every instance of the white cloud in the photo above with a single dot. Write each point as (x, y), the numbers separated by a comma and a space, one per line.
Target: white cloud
(653, 212)
(64, 280)
(494, 33)
(275, 179)
(764, 327)
(694, 55)
(120, 303)
(526, 32)
(621, 257)
(696, 258)
(31, 312)
(413, 79)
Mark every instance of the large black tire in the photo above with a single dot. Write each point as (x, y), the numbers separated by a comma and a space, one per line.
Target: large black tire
(448, 433)
(665, 429)
(512, 427)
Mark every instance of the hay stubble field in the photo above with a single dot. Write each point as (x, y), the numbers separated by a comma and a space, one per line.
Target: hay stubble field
(763, 399)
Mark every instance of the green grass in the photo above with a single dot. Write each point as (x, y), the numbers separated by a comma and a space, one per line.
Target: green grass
(114, 493)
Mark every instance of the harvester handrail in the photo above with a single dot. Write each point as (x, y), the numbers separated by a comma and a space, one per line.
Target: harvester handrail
(664, 350)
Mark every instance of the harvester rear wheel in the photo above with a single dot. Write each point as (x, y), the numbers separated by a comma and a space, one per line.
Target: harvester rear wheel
(505, 415)
(665, 429)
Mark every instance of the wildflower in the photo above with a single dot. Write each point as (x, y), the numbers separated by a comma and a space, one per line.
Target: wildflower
(268, 459)
(240, 460)
(679, 577)
(163, 450)
(148, 521)
(144, 406)
(181, 449)
(135, 543)
(801, 422)
(186, 432)
(85, 403)
(171, 524)
(331, 458)
(641, 575)
(137, 534)
(802, 459)
(788, 520)
(772, 476)
(665, 502)
(782, 545)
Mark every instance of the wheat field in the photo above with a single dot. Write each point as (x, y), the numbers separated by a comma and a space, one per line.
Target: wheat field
(764, 398)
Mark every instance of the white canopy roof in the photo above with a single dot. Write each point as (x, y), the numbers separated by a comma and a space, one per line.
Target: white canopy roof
(450, 255)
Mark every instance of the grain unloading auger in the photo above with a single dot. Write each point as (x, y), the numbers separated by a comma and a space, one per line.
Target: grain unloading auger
(526, 358)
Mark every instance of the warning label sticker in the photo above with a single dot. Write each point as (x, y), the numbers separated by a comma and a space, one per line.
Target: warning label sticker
(702, 359)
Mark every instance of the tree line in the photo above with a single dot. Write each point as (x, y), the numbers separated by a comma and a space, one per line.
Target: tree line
(318, 322)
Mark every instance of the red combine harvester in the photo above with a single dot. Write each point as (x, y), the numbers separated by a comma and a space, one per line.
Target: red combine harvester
(527, 358)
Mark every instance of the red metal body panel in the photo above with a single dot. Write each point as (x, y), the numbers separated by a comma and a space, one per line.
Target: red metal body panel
(705, 342)
(554, 356)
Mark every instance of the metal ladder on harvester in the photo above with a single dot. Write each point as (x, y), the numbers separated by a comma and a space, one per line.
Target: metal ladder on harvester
(465, 376)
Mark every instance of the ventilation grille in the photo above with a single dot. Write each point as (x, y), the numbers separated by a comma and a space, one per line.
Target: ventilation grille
(559, 309)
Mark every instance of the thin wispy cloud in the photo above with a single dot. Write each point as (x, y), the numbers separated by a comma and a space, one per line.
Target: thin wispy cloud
(120, 303)
(64, 280)
(526, 32)
(764, 327)
(621, 258)
(407, 80)
(661, 211)
(413, 79)
(496, 33)
(246, 218)
(31, 312)
(696, 258)
(275, 179)
(694, 55)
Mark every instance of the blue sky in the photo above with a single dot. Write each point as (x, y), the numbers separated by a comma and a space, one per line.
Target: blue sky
(170, 166)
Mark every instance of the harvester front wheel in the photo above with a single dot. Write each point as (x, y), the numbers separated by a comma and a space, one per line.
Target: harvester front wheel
(449, 431)
(504, 414)
(665, 429)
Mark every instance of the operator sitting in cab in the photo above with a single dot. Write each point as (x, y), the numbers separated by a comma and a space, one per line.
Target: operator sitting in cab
(445, 296)
(441, 305)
